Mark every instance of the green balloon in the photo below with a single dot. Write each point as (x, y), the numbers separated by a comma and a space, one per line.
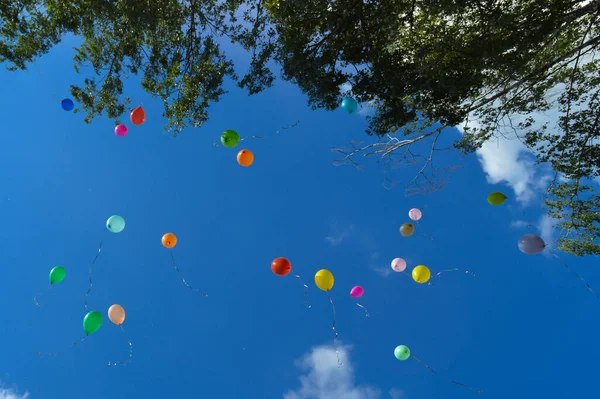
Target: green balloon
(115, 224)
(57, 274)
(92, 322)
(496, 198)
(230, 138)
(402, 352)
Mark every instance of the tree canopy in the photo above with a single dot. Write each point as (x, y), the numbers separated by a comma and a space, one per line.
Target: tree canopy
(490, 66)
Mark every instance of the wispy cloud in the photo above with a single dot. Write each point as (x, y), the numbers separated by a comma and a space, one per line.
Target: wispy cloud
(323, 379)
(12, 394)
(338, 234)
(378, 266)
(520, 224)
(396, 393)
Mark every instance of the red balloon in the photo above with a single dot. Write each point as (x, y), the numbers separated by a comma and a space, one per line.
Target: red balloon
(281, 266)
(138, 116)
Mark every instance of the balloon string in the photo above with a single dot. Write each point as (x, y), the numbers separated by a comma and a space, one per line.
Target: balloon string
(305, 291)
(183, 279)
(453, 270)
(54, 354)
(90, 275)
(40, 294)
(254, 137)
(124, 362)
(216, 142)
(365, 309)
(336, 335)
(448, 379)
(589, 287)
(288, 127)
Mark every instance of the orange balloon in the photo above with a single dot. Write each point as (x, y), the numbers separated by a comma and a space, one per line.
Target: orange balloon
(116, 314)
(169, 240)
(281, 266)
(245, 158)
(138, 116)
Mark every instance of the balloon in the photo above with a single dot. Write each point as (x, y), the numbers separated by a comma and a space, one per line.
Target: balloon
(496, 198)
(92, 322)
(324, 280)
(402, 352)
(350, 105)
(67, 104)
(407, 229)
(115, 224)
(169, 240)
(138, 116)
(230, 138)
(398, 265)
(245, 158)
(357, 292)
(415, 214)
(121, 130)
(531, 244)
(116, 314)
(57, 274)
(421, 274)
(281, 266)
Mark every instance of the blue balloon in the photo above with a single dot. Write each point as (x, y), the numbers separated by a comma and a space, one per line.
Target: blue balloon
(67, 104)
(350, 105)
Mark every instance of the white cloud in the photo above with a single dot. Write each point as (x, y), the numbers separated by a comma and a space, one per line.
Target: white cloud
(325, 380)
(11, 394)
(337, 235)
(510, 162)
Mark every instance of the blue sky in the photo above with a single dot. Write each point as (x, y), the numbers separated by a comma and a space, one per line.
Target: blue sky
(522, 327)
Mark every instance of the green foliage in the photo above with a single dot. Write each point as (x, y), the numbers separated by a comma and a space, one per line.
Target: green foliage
(500, 64)
(421, 64)
(171, 44)
(578, 212)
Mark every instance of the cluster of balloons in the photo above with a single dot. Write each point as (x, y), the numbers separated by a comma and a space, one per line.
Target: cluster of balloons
(92, 321)
(421, 273)
(137, 116)
(408, 229)
(230, 139)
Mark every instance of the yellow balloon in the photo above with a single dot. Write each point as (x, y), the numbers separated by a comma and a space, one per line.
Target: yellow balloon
(421, 274)
(324, 280)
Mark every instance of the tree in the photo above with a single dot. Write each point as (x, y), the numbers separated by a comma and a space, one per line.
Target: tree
(492, 66)
(423, 65)
(172, 45)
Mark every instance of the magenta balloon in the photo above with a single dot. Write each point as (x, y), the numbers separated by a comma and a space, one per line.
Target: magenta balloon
(415, 214)
(398, 265)
(357, 292)
(120, 130)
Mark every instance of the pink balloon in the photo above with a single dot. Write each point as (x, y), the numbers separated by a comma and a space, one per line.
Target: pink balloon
(357, 292)
(415, 214)
(120, 130)
(398, 265)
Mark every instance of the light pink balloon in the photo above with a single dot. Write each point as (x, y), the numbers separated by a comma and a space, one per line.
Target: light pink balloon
(398, 265)
(415, 214)
(121, 130)
(357, 292)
